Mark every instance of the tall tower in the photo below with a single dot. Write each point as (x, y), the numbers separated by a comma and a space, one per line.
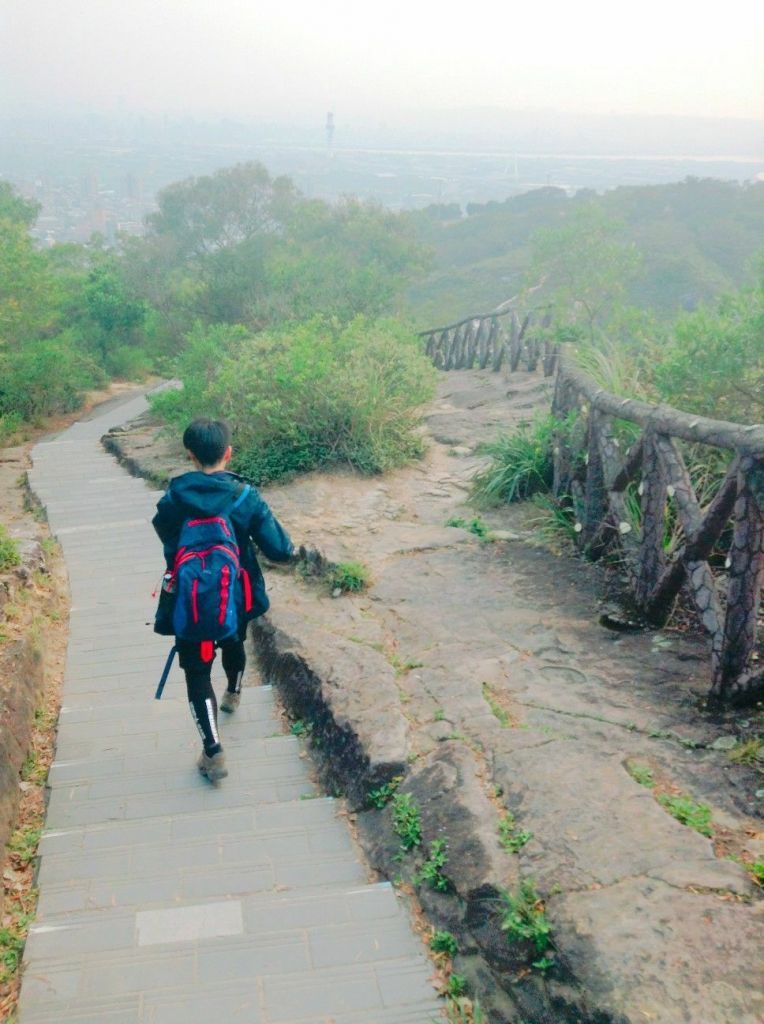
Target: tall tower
(329, 130)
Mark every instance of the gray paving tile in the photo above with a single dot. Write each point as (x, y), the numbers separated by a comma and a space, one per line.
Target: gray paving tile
(288, 999)
(241, 1007)
(360, 942)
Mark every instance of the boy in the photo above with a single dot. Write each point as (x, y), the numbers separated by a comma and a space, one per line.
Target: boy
(211, 490)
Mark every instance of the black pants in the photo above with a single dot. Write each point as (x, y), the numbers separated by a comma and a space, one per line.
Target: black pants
(197, 665)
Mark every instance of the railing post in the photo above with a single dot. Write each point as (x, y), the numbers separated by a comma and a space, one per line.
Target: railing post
(746, 574)
(516, 341)
(595, 495)
(496, 339)
(483, 341)
(473, 337)
(654, 491)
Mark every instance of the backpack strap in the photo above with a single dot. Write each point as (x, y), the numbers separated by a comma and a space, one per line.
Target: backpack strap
(241, 496)
(166, 672)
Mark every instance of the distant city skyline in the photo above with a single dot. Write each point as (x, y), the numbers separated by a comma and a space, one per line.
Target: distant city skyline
(243, 59)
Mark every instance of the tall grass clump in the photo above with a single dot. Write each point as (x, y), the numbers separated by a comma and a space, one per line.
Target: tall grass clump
(9, 550)
(309, 395)
(522, 463)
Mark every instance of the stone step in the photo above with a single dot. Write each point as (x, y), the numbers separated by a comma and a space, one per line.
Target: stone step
(96, 710)
(265, 821)
(170, 883)
(181, 739)
(394, 991)
(173, 774)
(64, 811)
(331, 920)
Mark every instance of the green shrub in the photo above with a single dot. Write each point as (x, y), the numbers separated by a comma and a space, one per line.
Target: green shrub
(521, 463)
(9, 550)
(315, 394)
(46, 377)
(128, 362)
(11, 424)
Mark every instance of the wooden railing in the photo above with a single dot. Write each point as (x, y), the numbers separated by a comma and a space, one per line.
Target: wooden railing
(492, 340)
(593, 474)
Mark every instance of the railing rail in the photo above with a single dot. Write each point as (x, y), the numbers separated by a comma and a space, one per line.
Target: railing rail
(728, 601)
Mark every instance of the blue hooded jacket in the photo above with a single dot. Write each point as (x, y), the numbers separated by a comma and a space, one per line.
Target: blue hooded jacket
(208, 494)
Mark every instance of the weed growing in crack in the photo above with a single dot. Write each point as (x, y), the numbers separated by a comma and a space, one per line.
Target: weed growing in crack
(12, 939)
(9, 550)
(349, 577)
(464, 1011)
(407, 821)
(431, 871)
(755, 868)
(750, 753)
(544, 964)
(23, 844)
(476, 525)
(401, 667)
(498, 712)
(524, 917)
(457, 986)
(685, 810)
(300, 728)
(444, 942)
(382, 795)
(641, 774)
(555, 526)
(511, 838)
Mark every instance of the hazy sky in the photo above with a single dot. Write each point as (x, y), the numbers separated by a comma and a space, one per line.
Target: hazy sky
(248, 58)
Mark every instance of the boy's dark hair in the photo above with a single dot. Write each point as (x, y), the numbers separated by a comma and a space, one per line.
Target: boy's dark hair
(207, 440)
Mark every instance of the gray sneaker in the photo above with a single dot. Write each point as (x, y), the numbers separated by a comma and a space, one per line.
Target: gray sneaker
(213, 766)
(230, 701)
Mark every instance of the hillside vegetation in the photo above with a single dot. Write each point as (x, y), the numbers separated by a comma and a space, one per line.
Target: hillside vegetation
(276, 311)
(695, 239)
(293, 316)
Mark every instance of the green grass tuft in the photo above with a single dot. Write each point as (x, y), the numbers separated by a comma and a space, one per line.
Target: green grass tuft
(522, 463)
(524, 916)
(685, 810)
(349, 577)
(9, 550)
(444, 942)
(407, 820)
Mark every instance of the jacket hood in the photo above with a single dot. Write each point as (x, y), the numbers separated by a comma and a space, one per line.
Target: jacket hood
(204, 493)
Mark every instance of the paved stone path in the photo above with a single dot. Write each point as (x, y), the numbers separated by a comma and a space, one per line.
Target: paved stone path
(164, 899)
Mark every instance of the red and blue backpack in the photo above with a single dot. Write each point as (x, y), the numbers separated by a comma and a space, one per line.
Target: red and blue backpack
(210, 591)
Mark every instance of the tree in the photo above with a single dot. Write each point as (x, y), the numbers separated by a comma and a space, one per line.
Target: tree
(241, 247)
(115, 314)
(584, 266)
